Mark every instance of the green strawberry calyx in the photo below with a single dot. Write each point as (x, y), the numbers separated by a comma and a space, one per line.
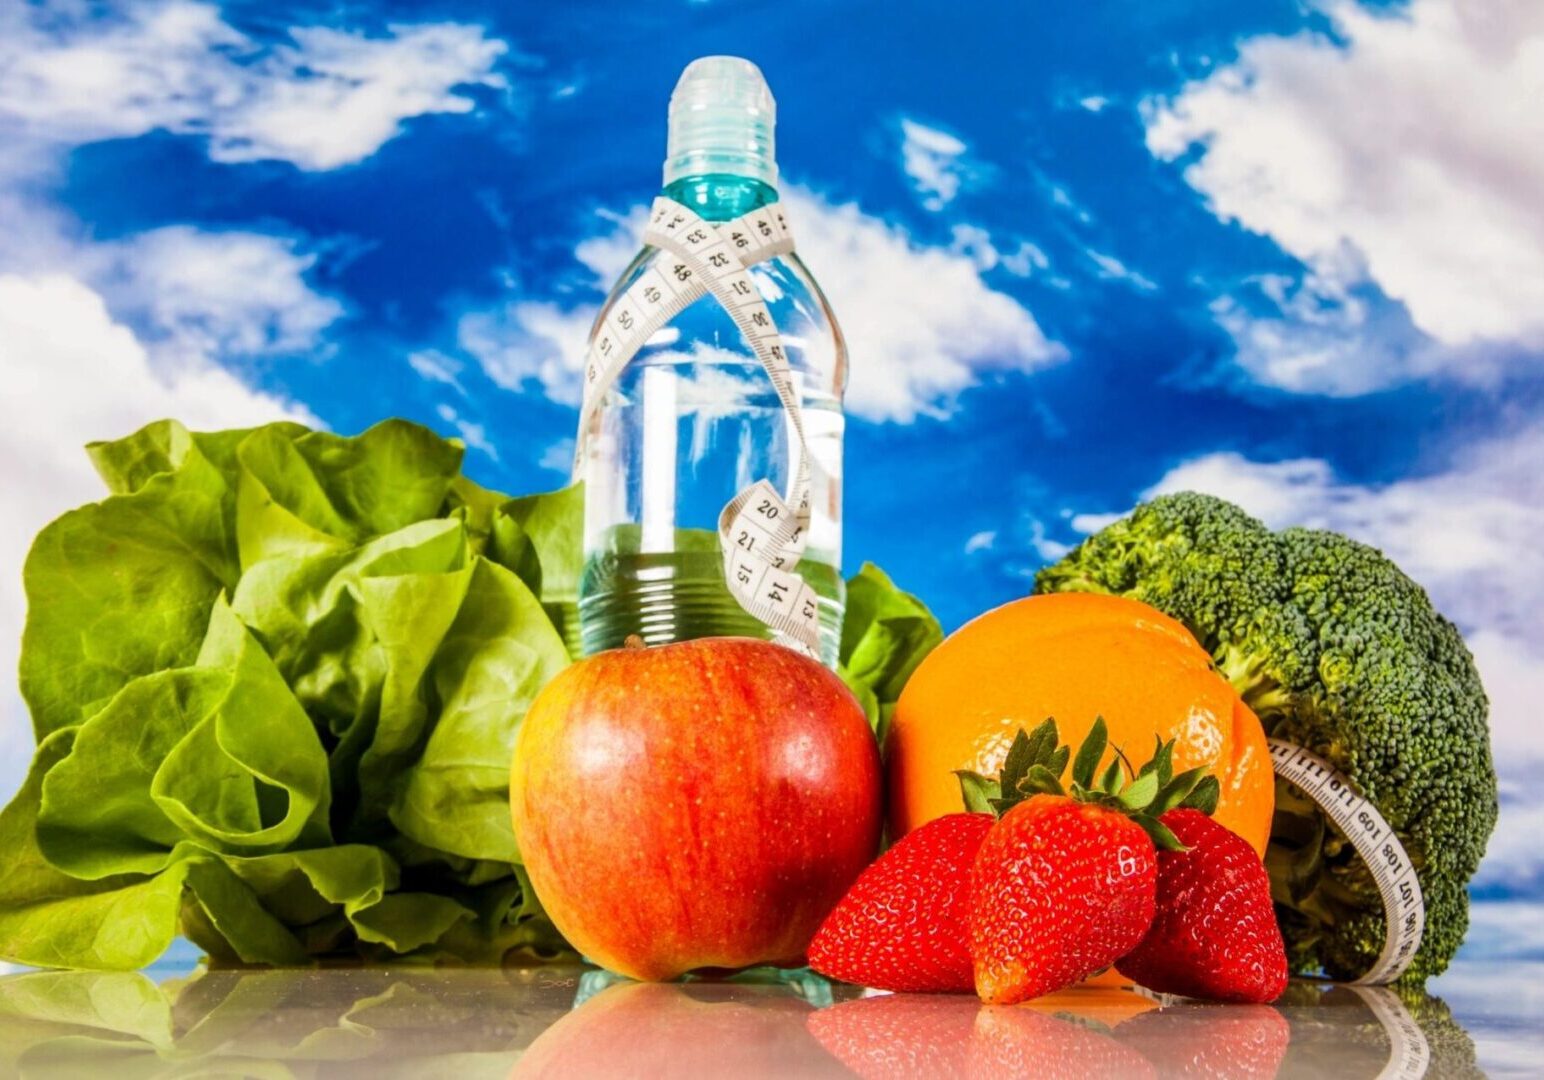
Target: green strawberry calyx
(1035, 763)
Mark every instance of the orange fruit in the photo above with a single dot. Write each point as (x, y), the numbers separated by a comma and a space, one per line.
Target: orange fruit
(1073, 656)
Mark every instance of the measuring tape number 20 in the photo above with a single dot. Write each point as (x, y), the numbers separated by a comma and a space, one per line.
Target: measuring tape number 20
(761, 531)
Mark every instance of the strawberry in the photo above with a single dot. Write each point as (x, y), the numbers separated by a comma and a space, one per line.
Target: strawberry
(1065, 883)
(901, 925)
(1214, 934)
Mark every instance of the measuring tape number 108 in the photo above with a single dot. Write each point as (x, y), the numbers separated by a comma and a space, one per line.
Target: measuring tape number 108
(761, 531)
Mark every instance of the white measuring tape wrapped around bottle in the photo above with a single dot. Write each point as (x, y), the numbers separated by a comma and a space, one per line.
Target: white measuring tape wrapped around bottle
(1375, 842)
(761, 531)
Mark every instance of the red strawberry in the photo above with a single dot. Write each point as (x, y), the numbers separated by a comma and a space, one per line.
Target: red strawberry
(1064, 884)
(1060, 890)
(902, 924)
(1215, 933)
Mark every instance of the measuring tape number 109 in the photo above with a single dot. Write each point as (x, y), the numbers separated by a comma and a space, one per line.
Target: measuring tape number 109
(761, 531)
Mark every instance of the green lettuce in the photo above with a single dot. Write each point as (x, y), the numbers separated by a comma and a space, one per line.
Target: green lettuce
(275, 678)
(885, 635)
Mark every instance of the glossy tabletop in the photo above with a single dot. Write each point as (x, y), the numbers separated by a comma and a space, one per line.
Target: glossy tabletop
(570, 1022)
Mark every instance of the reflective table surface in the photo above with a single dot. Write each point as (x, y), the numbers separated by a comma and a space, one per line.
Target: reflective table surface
(570, 1022)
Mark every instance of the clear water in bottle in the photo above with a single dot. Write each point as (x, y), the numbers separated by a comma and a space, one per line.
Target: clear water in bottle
(693, 418)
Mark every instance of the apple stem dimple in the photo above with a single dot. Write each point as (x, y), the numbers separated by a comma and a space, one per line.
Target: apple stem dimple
(635, 641)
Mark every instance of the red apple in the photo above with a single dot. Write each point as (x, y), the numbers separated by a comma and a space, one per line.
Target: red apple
(703, 804)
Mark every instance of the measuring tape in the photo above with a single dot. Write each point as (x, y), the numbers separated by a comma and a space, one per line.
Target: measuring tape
(1374, 840)
(1409, 1052)
(761, 532)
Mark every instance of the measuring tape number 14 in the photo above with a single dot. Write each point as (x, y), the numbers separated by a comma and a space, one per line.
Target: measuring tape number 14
(762, 531)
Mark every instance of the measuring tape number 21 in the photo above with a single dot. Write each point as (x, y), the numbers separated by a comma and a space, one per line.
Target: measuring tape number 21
(761, 531)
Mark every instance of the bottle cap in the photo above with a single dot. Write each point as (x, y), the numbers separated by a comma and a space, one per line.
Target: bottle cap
(721, 121)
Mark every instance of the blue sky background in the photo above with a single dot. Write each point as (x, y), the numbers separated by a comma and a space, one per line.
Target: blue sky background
(1290, 253)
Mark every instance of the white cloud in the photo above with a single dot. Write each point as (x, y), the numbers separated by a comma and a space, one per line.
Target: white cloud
(73, 374)
(1330, 331)
(1506, 930)
(1461, 532)
(921, 325)
(558, 456)
(328, 98)
(528, 341)
(608, 252)
(1407, 158)
(201, 293)
(1047, 549)
(475, 435)
(1112, 269)
(935, 161)
(435, 366)
(977, 244)
(981, 541)
(1469, 534)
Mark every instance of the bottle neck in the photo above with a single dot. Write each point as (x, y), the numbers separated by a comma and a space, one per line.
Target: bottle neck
(721, 196)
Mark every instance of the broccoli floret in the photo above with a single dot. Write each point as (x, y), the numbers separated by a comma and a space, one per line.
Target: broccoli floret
(1222, 573)
(1338, 650)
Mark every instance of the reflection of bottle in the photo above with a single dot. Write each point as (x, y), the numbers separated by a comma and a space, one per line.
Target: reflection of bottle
(693, 419)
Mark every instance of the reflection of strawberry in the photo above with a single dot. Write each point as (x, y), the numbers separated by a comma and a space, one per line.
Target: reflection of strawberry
(898, 1036)
(1064, 884)
(919, 1037)
(902, 925)
(1243, 1041)
(1214, 934)
(1025, 1042)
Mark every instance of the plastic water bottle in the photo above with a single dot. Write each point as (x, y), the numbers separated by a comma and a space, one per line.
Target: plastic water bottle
(693, 418)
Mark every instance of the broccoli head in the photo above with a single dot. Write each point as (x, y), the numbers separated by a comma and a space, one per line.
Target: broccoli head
(1339, 651)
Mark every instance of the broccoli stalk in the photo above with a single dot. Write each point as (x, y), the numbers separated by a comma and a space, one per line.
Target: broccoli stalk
(1335, 649)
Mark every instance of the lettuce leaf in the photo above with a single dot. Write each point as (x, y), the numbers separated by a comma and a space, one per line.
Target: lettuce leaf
(276, 677)
(276, 684)
(885, 635)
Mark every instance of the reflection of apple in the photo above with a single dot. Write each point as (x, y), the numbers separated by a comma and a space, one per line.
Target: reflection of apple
(687, 1029)
(703, 804)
